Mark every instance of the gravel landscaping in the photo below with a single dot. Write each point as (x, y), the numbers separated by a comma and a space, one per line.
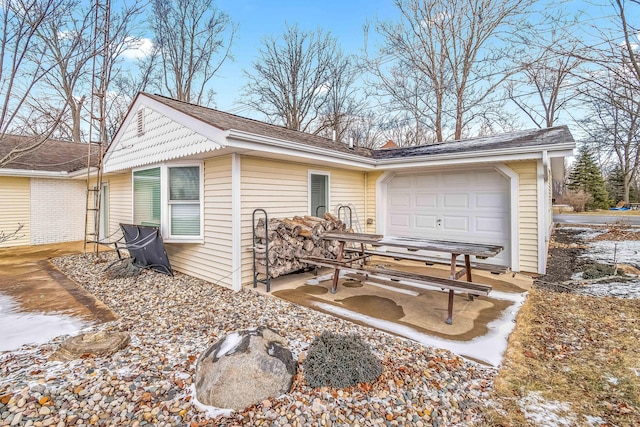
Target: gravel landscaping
(172, 320)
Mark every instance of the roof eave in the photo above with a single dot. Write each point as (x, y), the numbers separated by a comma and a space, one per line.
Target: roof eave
(250, 141)
(27, 173)
(467, 157)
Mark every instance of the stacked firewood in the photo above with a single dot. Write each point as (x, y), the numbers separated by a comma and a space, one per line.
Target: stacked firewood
(291, 239)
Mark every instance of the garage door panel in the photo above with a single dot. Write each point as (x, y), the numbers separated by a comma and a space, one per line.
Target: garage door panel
(400, 220)
(491, 225)
(425, 222)
(455, 179)
(426, 200)
(488, 178)
(455, 201)
(400, 200)
(426, 181)
(455, 223)
(401, 182)
(491, 201)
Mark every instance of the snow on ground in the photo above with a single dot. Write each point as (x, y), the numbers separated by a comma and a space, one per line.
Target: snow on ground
(619, 251)
(32, 328)
(552, 413)
(611, 252)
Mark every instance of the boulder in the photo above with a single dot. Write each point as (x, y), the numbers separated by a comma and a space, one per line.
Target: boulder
(244, 368)
(91, 343)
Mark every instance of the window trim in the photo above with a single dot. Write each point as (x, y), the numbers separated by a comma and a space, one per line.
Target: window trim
(165, 204)
(323, 173)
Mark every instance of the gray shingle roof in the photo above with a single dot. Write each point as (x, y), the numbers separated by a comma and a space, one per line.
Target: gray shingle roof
(227, 121)
(52, 156)
(512, 140)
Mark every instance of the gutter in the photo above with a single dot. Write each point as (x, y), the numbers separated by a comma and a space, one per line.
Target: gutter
(284, 147)
(27, 173)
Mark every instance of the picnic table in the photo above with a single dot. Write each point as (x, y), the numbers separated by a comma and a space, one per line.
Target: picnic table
(358, 264)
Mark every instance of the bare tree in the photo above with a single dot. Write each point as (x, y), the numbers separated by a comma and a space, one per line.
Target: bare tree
(458, 49)
(344, 106)
(610, 89)
(365, 131)
(194, 39)
(613, 125)
(291, 77)
(20, 71)
(66, 43)
(546, 86)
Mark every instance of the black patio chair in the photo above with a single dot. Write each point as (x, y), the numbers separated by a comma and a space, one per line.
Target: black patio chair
(145, 246)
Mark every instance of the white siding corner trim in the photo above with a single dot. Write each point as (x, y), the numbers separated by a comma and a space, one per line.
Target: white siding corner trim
(381, 200)
(514, 183)
(236, 222)
(541, 201)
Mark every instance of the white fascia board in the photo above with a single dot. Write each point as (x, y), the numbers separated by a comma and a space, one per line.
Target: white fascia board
(33, 174)
(250, 141)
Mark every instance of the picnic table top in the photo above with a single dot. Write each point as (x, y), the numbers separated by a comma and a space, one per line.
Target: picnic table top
(417, 243)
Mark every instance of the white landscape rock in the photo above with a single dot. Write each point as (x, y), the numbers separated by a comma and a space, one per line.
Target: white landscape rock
(244, 368)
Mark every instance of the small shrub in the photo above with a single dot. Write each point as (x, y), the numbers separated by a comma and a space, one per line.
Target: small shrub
(578, 199)
(340, 361)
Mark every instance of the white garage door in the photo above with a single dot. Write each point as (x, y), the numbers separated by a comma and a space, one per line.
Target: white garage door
(466, 206)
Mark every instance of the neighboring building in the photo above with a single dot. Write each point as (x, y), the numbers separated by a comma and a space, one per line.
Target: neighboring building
(199, 174)
(44, 190)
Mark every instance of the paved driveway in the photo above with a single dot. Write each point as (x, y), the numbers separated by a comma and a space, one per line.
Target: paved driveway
(31, 281)
(596, 219)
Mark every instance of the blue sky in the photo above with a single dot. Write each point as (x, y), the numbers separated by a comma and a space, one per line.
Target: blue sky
(259, 18)
(345, 19)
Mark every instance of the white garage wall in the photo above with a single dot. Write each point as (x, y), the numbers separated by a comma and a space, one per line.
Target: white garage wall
(57, 210)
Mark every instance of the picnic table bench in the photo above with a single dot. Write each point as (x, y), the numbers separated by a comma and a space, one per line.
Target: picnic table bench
(358, 269)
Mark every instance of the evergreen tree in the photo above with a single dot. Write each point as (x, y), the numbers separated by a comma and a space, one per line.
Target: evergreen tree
(586, 176)
(615, 187)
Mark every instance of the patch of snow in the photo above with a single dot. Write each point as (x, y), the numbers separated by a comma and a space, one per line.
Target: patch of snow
(324, 277)
(577, 276)
(628, 289)
(588, 233)
(608, 251)
(32, 328)
(229, 344)
(613, 380)
(542, 412)
(488, 348)
(210, 411)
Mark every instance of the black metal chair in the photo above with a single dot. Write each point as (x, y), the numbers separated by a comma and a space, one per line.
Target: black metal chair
(145, 246)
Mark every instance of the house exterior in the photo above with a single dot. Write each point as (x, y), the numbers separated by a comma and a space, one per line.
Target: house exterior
(44, 190)
(199, 174)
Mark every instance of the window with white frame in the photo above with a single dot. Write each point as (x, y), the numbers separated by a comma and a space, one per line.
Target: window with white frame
(318, 193)
(170, 197)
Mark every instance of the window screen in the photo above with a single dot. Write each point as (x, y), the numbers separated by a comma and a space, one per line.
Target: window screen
(184, 200)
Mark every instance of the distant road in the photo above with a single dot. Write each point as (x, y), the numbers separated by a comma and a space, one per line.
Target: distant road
(595, 219)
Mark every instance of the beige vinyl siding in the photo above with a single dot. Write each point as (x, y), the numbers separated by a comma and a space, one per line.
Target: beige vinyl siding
(14, 200)
(120, 210)
(281, 188)
(528, 214)
(370, 208)
(210, 261)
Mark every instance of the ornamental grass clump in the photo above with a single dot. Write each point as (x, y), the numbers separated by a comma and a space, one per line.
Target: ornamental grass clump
(340, 361)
